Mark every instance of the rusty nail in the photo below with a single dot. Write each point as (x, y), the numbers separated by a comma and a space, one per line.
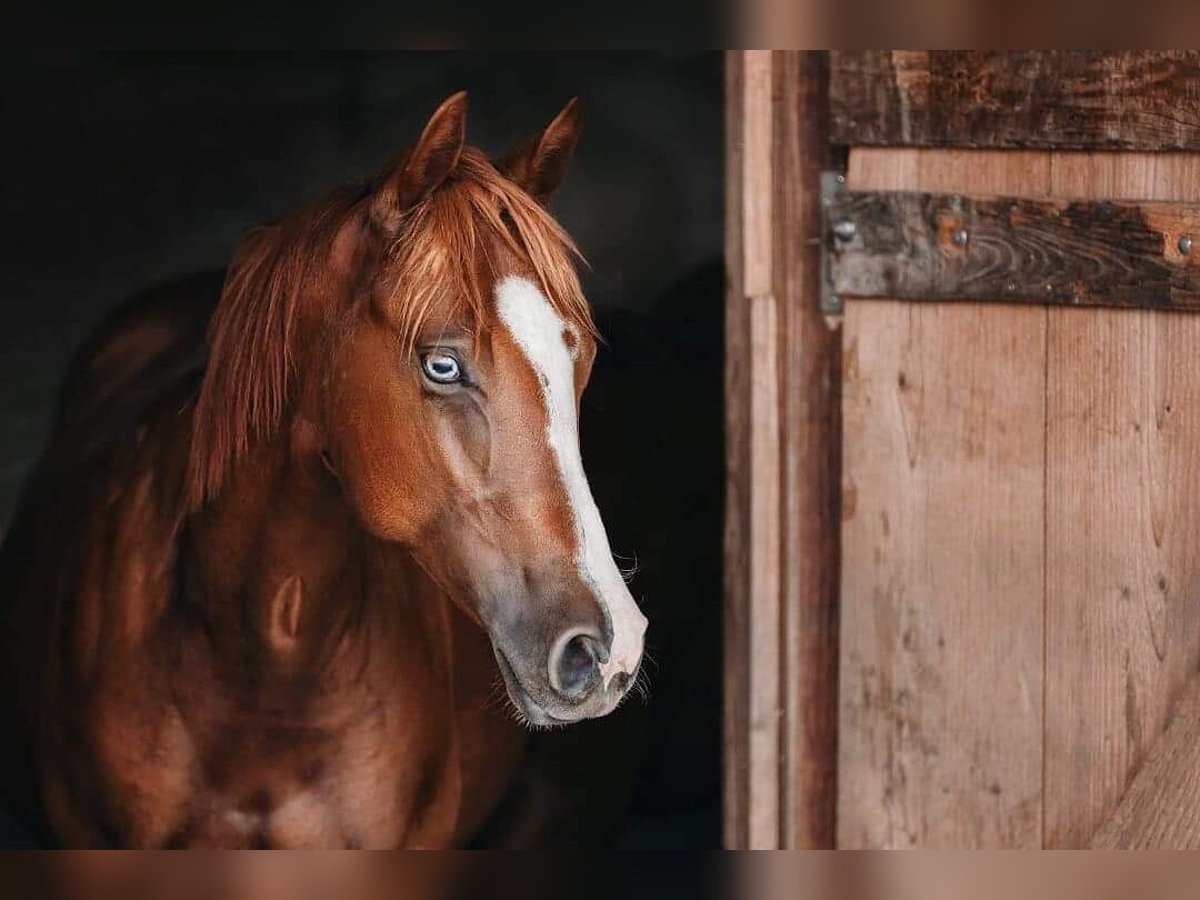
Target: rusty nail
(960, 237)
(845, 230)
(1185, 244)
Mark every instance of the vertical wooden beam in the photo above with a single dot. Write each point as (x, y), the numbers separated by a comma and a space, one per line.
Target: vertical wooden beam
(781, 427)
(811, 455)
(751, 486)
(765, 701)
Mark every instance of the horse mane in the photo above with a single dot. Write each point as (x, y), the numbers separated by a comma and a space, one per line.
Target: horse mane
(434, 258)
(442, 240)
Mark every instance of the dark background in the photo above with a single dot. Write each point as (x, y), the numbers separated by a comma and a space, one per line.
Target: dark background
(126, 171)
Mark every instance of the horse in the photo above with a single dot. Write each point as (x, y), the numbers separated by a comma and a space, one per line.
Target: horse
(317, 590)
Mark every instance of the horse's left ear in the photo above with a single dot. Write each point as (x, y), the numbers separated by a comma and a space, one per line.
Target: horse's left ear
(540, 163)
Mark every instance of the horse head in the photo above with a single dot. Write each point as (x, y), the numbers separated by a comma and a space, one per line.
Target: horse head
(429, 334)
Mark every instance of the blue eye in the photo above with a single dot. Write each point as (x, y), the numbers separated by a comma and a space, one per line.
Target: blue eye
(441, 368)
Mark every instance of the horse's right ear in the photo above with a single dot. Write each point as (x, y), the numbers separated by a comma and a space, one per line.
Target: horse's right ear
(431, 159)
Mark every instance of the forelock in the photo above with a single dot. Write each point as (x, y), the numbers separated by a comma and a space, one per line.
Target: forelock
(451, 247)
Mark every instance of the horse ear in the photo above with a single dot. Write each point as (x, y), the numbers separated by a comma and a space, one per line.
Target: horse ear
(540, 163)
(431, 159)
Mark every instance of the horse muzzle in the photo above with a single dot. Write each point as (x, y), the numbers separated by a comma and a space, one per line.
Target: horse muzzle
(578, 680)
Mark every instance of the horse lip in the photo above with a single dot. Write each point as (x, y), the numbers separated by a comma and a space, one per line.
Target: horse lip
(520, 698)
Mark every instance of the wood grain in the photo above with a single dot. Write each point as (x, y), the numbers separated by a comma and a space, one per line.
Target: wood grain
(924, 246)
(1161, 809)
(1131, 100)
(782, 429)
(942, 549)
(765, 700)
(753, 620)
(810, 357)
(1123, 537)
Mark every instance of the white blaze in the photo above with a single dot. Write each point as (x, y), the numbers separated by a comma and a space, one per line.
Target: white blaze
(538, 331)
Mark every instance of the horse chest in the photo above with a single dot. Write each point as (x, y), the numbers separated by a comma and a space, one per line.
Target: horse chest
(355, 803)
(334, 790)
(186, 744)
(371, 775)
(185, 762)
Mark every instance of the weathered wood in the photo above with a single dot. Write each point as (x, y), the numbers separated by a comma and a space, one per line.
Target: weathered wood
(810, 357)
(753, 700)
(1161, 809)
(781, 420)
(922, 246)
(942, 549)
(1122, 531)
(765, 622)
(1065, 99)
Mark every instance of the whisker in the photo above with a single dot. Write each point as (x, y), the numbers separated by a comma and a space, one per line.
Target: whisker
(629, 570)
(497, 698)
(641, 685)
(648, 657)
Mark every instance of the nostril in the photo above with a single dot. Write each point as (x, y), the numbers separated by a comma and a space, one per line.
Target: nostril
(577, 667)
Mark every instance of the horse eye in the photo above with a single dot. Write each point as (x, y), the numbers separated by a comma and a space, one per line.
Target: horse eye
(441, 368)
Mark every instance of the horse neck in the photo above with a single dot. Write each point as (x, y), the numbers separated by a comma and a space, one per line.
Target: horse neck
(279, 558)
(305, 617)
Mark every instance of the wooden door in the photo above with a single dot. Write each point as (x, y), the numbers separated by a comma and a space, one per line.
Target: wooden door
(1017, 557)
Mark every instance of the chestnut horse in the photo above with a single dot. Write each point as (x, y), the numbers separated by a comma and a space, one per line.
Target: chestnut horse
(273, 605)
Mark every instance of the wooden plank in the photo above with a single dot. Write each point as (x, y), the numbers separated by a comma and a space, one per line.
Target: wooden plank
(922, 246)
(942, 549)
(1131, 100)
(765, 623)
(1123, 537)
(752, 548)
(810, 357)
(781, 419)
(1161, 809)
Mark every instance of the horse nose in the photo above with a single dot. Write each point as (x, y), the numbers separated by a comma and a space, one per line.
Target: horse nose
(575, 665)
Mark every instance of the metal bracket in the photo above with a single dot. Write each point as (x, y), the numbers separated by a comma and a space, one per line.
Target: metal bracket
(833, 183)
(907, 245)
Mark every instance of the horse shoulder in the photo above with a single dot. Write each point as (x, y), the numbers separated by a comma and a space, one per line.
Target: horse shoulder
(118, 744)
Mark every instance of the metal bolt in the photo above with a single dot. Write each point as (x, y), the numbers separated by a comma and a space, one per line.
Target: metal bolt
(960, 237)
(845, 230)
(1185, 244)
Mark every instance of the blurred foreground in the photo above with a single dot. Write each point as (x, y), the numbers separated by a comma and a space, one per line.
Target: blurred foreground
(357, 876)
(630, 876)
